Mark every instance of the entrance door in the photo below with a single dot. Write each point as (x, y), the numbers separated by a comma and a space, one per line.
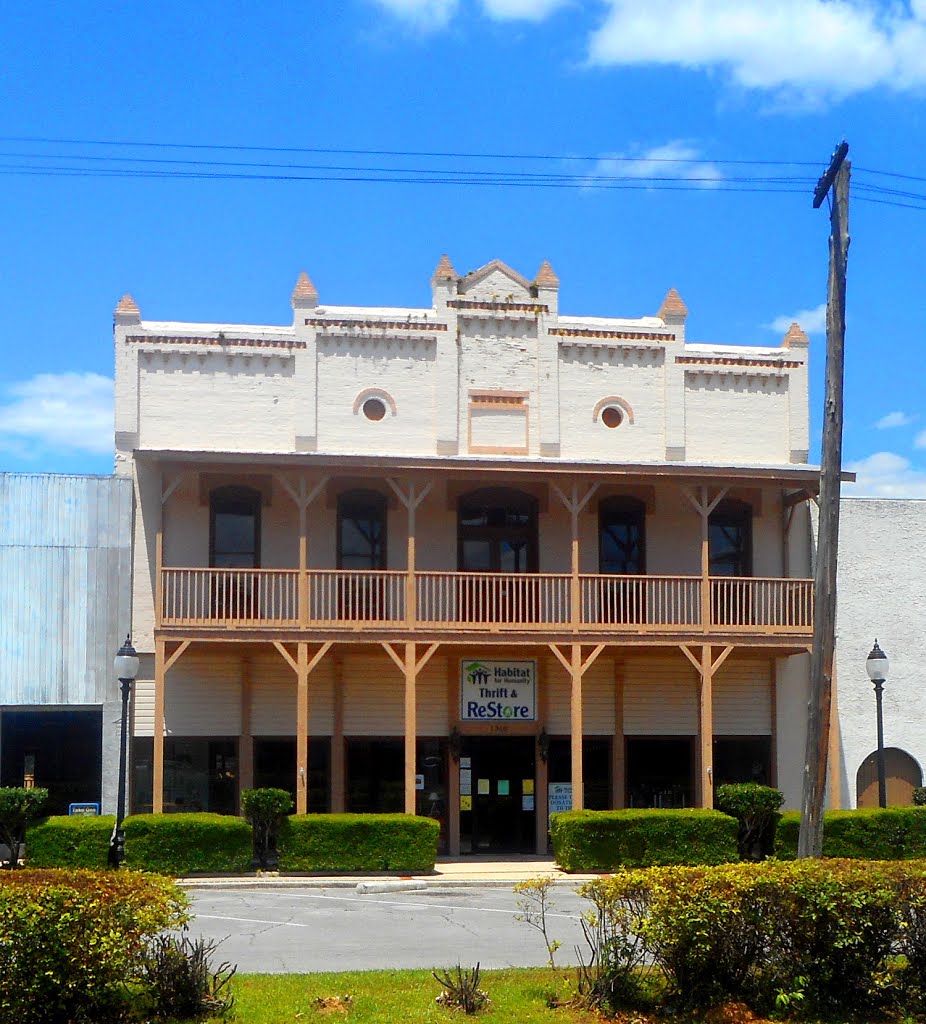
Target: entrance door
(502, 818)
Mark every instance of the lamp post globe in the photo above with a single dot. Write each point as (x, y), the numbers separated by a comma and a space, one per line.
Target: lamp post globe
(125, 666)
(876, 664)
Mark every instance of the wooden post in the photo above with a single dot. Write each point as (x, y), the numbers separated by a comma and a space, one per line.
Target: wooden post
(707, 616)
(542, 776)
(618, 756)
(411, 729)
(157, 795)
(453, 766)
(302, 727)
(303, 564)
(575, 727)
(706, 730)
(574, 505)
(411, 593)
(338, 797)
(810, 839)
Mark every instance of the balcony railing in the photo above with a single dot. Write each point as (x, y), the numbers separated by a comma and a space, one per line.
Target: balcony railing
(483, 602)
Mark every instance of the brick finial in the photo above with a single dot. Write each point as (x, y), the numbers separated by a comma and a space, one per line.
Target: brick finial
(127, 311)
(444, 271)
(672, 307)
(546, 278)
(304, 294)
(795, 338)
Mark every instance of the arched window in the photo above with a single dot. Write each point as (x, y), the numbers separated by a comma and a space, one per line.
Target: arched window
(234, 528)
(730, 539)
(362, 530)
(622, 536)
(497, 531)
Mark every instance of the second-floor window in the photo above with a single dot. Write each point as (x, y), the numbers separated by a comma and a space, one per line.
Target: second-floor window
(234, 528)
(497, 531)
(362, 530)
(621, 536)
(730, 539)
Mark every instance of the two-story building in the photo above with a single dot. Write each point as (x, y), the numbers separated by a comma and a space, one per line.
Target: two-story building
(478, 559)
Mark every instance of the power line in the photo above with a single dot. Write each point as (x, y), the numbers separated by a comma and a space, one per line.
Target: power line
(402, 153)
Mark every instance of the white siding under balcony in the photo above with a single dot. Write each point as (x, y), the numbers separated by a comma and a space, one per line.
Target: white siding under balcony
(660, 696)
(374, 696)
(743, 698)
(597, 698)
(273, 697)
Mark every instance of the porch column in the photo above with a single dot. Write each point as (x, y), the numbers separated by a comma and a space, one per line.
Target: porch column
(157, 794)
(576, 668)
(411, 496)
(574, 505)
(542, 785)
(706, 667)
(704, 505)
(162, 665)
(453, 765)
(302, 665)
(410, 666)
(302, 496)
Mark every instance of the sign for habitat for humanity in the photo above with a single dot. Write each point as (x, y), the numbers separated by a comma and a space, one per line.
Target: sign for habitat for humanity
(498, 691)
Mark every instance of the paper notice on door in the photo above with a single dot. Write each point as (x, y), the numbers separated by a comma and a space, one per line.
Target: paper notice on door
(466, 782)
(483, 787)
(527, 786)
(503, 787)
(466, 802)
(527, 801)
(466, 762)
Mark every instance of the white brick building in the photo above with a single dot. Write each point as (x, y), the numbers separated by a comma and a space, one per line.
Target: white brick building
(359, 538)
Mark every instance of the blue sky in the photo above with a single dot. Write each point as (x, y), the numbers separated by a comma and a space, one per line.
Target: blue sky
(684, 86)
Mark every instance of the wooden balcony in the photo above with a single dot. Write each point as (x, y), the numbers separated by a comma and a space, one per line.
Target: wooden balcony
(434, 603)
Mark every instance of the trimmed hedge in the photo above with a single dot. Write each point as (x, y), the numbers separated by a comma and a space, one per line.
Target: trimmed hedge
(71, 940)
(812, 938)
(605, 840)
(870, 833)
(357, 842)
(63, 841)
(183, 844)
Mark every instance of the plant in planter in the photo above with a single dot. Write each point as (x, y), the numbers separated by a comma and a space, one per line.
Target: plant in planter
(756, 808)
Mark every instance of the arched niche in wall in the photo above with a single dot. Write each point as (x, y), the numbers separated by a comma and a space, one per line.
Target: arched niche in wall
(902, 774)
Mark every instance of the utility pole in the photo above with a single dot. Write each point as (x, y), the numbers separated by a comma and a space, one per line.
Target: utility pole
(810, 840)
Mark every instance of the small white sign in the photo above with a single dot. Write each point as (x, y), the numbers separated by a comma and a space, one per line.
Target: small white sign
(466, 782)
(419, 782)
(498, 691)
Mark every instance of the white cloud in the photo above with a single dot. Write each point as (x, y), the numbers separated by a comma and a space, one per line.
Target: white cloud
(897, 419)
(811, 49)
(678, 159)
(886, 475)
(423, 15)
(524, 10)
(813, 321)
(70, 412)
(920, 440)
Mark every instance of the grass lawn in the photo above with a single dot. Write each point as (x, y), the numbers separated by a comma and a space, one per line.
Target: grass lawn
(389, 997)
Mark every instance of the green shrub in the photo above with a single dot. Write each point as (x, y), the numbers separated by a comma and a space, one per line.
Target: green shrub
(358, 842)
(18, 809)
(264, 810)
(180, 844)
(755, 807)
(919, 796)
(811, 937)
(605, 840)
(71, 940)
(870, 833)
(64, 841)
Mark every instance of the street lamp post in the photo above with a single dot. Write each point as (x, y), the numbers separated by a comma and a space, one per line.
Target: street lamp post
(126, 667)
(877, 666)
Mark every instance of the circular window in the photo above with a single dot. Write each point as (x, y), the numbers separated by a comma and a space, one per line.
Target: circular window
(611, 416)
(374, 408)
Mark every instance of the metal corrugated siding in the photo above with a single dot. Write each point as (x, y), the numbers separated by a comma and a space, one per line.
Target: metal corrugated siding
(65, 593)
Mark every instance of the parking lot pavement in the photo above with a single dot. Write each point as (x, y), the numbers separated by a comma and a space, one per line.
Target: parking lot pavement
(272, 931)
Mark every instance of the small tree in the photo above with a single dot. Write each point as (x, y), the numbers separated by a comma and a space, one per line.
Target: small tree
(264, 810)
(18, 809)
(755, 807)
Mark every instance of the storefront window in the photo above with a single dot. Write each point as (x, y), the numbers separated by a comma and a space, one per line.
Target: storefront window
(199, 775)
(742, 759)
(660, 771)
(431, 791)
(375, 776)
(596, 768)
(275, 767)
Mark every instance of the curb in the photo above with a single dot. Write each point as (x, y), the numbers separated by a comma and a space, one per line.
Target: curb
(366, 885)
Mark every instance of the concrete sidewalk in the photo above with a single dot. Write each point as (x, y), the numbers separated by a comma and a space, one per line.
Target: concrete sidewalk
(467, 871)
